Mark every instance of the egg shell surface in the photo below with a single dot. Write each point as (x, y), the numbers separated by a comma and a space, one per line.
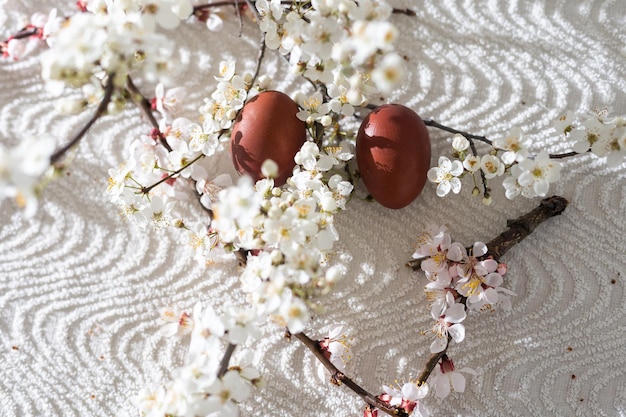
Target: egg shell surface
(267, 128)
(393, 154)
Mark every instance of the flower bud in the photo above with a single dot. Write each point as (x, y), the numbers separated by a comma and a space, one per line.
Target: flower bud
(264, 82)
(460, 143)
(70, 106)
(269, 169)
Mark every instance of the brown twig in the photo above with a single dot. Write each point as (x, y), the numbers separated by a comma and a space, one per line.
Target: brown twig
(226, 360)
(469, 136)
(338, 378)
(432, 362)
(146, 190)
(100, 110)
(524, 225)
(26, 33)
(405, 11)
(144, 105)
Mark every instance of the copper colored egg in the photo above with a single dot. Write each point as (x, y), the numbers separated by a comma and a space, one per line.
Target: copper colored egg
(393, 154)
(267, 128)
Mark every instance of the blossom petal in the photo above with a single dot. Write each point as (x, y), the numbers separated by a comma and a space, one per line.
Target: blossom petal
(442, 386)
(457, 331)
(479, 249)
(458, 381)
(443, 188)
(438, 345)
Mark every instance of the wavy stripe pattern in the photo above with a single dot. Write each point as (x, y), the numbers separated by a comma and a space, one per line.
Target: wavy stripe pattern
(80, 287)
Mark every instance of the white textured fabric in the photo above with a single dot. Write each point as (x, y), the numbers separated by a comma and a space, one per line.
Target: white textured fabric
(80, 287)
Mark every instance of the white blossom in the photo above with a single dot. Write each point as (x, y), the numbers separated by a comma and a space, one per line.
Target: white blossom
(445, 176)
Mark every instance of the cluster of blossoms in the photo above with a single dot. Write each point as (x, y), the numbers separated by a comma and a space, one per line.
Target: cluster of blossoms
(526, 176)
(39, 28)
(113, 39)
(405, 398)
(345, 44)
(459, 280)
(180, 146)
(530, 177)
(287, 233)
(205, 384)
(336, 349)
(21, 169)
(595, 133)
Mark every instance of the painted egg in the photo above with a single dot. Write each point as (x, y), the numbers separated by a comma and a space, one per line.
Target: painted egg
(267, 128)
(393, 154)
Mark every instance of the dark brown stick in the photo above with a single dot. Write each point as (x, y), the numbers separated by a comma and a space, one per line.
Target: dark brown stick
(108, 92)
(144, 105)
(521, 227)
(338, 378)
(226, 360)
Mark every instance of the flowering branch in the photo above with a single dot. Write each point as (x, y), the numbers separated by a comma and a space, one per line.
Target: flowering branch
(338, 377)
(108, 92)
(235, 3)
(26, 32)
(146, 190)
(518, 229)
(144, 105)
(472, 137)
(432, 362)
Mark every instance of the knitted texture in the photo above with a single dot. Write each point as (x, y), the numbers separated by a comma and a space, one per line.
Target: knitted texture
(81, 287)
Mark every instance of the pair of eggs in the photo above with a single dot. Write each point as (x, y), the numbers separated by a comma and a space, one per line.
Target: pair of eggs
(392, 146)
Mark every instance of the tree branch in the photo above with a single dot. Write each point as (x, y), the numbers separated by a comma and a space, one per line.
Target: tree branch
(524, 225)
(338, 378)
(226, 360)
(144, 105)
(100, 110)
(146, 190)
(518, 228)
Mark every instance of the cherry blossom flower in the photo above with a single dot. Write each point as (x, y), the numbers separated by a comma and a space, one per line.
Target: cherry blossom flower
(448, 324)
(176, 322)
(389, 73)
(313, 107)
(539, 173)
(471, 163)
(21, 170)
(460, 143)
(225, 393)
(336, 349)
(514, 145)
(445, 176)
(449, 378)
(492, 166)
(406, 398)
(169, 102)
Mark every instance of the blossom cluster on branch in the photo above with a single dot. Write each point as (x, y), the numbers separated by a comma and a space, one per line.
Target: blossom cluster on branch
(510, 156)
